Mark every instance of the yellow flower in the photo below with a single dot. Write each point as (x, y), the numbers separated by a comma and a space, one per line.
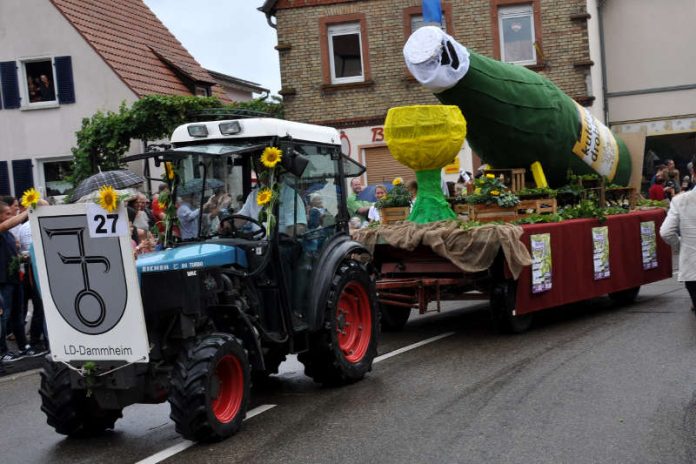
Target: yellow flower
(495, 193)
(271, 156)
(108, 199)
(170, 170)
(30, 198)
(490, 176)
(264, 196)
(397, 181)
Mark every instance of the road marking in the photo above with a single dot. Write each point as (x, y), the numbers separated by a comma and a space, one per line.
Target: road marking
(411, 347)
(186, 444)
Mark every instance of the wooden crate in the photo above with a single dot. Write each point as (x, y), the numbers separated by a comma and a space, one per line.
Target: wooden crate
(625, 196)
(537, 206)
(513, 178)
(490, 213)
(394, 214)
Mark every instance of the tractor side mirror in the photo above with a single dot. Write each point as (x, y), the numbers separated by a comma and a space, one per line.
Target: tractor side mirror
(294, 163)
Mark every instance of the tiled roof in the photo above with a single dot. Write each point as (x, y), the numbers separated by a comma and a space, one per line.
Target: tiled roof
(136, 45)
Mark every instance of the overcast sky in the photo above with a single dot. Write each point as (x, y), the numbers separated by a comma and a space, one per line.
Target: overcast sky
(228, 36)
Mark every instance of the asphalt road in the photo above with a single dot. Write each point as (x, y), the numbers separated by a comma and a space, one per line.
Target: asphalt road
(591, 383)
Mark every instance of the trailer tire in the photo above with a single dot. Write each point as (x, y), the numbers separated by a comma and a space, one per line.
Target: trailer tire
(343, 350)
(625, 297)
(502, 305)
(69, 411)
(210, 388)
(394, 318)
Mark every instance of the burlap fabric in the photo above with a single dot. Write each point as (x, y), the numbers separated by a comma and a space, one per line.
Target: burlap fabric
(471, 250)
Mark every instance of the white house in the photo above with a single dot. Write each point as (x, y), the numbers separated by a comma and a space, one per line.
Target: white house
(62, 61)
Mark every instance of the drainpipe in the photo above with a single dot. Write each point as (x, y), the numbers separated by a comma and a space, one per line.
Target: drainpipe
(603, 60)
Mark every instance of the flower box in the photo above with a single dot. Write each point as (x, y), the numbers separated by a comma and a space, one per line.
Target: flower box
(394, 214)
(490, 213)
(536, 206)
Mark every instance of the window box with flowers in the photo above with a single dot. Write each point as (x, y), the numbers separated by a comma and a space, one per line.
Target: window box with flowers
(492, 200)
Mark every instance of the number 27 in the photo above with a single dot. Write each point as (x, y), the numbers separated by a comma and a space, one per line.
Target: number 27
(101, 219)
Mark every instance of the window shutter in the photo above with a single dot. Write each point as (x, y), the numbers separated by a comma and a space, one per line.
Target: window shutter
(10, 85)
(64, 76)
(23, 176)
(4, 179)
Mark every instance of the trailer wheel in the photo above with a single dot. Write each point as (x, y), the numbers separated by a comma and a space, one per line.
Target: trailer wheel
(210, 388)
(342, 352)
(502, 305)
(394, 318)
(69, 411)
(625, 297)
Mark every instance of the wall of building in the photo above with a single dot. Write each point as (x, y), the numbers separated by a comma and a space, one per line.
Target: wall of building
(360, 109)
(649, 48)
(35, 29)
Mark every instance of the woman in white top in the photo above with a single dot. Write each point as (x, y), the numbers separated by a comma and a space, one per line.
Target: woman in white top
(373, 214)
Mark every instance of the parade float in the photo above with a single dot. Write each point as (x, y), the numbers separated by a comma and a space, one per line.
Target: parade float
(572, 235)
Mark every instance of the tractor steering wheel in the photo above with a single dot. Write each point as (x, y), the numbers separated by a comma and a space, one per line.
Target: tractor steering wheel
(230, 229)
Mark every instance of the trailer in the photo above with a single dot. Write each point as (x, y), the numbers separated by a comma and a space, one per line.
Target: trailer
(586, 259)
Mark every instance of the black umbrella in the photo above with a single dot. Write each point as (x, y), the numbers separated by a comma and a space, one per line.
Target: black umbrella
(118, 179)
(195, 185)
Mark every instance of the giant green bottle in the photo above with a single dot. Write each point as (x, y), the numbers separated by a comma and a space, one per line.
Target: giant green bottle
(515, 116)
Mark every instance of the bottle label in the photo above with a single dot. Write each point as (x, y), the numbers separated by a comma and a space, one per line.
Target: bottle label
(596, 145)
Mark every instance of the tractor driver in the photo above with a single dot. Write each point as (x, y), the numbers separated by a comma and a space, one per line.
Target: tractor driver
(288, 223)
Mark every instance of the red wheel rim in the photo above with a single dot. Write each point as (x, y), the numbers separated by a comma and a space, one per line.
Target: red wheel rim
(230, 388)
(353, 322)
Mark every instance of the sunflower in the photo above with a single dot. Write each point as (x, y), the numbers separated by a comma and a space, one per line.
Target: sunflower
(397, 181)
(108, 199)
(264, 196)
(170, 170)
(271, 156)
(30, 198)
(490, 176)
(495, 193)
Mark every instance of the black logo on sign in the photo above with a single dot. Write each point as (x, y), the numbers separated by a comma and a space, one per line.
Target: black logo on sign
(83, 261)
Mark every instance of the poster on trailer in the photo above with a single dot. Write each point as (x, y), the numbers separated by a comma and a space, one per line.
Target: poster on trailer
(648, 244)
(600, 247)
(540, 245)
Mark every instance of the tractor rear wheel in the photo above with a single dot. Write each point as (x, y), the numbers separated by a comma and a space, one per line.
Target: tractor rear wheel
(342, 352)
(69, 411)
(210, 388)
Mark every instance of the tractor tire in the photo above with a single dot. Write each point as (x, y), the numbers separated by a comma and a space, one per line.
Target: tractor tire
(343, 351)
(69, 411)
(625, 297)
(209, 392)
(394, 318)
(502, 305)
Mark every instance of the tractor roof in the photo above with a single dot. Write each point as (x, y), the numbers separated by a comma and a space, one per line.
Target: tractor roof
(254, 128)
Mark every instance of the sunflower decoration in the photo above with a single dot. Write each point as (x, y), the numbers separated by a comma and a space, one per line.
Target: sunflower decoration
(169, 170)
(264, 196)
(108, 198)
(271, 156)
(397, 181)
(30, 198)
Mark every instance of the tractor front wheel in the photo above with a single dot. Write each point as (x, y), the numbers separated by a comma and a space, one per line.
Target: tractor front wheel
(210, 388)
(70, 411)
(343, 351)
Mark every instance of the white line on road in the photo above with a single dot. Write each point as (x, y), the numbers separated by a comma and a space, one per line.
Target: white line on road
(411, 347)
(185, 444)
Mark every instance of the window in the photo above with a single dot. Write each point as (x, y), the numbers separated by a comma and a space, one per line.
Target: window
(517, 35)
(55, 174)
(39, 81)
(345, 53)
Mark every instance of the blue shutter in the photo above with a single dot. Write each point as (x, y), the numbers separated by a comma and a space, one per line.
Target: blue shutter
(23, 176)
(4, 179)
(10, 85)
(64, 76)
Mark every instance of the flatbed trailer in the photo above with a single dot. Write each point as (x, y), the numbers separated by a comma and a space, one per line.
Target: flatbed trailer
(413, 279)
